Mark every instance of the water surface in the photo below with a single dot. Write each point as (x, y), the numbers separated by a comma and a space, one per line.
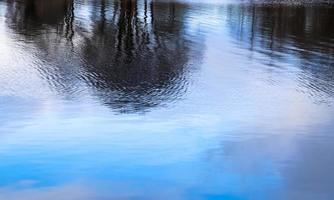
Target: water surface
(160, 99)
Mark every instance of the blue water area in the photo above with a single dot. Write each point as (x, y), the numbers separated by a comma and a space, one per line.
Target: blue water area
(179, 99)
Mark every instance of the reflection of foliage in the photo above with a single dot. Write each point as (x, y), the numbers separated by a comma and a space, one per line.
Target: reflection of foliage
(133, 55)
(135, 59)
(27, 16)
(295, 24)
(299, 34)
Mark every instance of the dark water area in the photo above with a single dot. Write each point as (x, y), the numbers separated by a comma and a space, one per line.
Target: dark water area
(160, 99)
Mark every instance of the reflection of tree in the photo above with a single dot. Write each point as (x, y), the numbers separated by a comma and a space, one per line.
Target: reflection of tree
(138, 61)
(133, 54)
(290, 34)
(29, 17)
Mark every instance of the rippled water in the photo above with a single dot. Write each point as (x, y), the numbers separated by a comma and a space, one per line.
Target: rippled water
(180, 99)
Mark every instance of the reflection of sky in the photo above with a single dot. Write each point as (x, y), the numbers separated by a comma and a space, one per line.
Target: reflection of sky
(237, 134)
(133, 149)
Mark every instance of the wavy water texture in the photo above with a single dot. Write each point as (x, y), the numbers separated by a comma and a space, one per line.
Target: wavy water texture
(184, 99)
